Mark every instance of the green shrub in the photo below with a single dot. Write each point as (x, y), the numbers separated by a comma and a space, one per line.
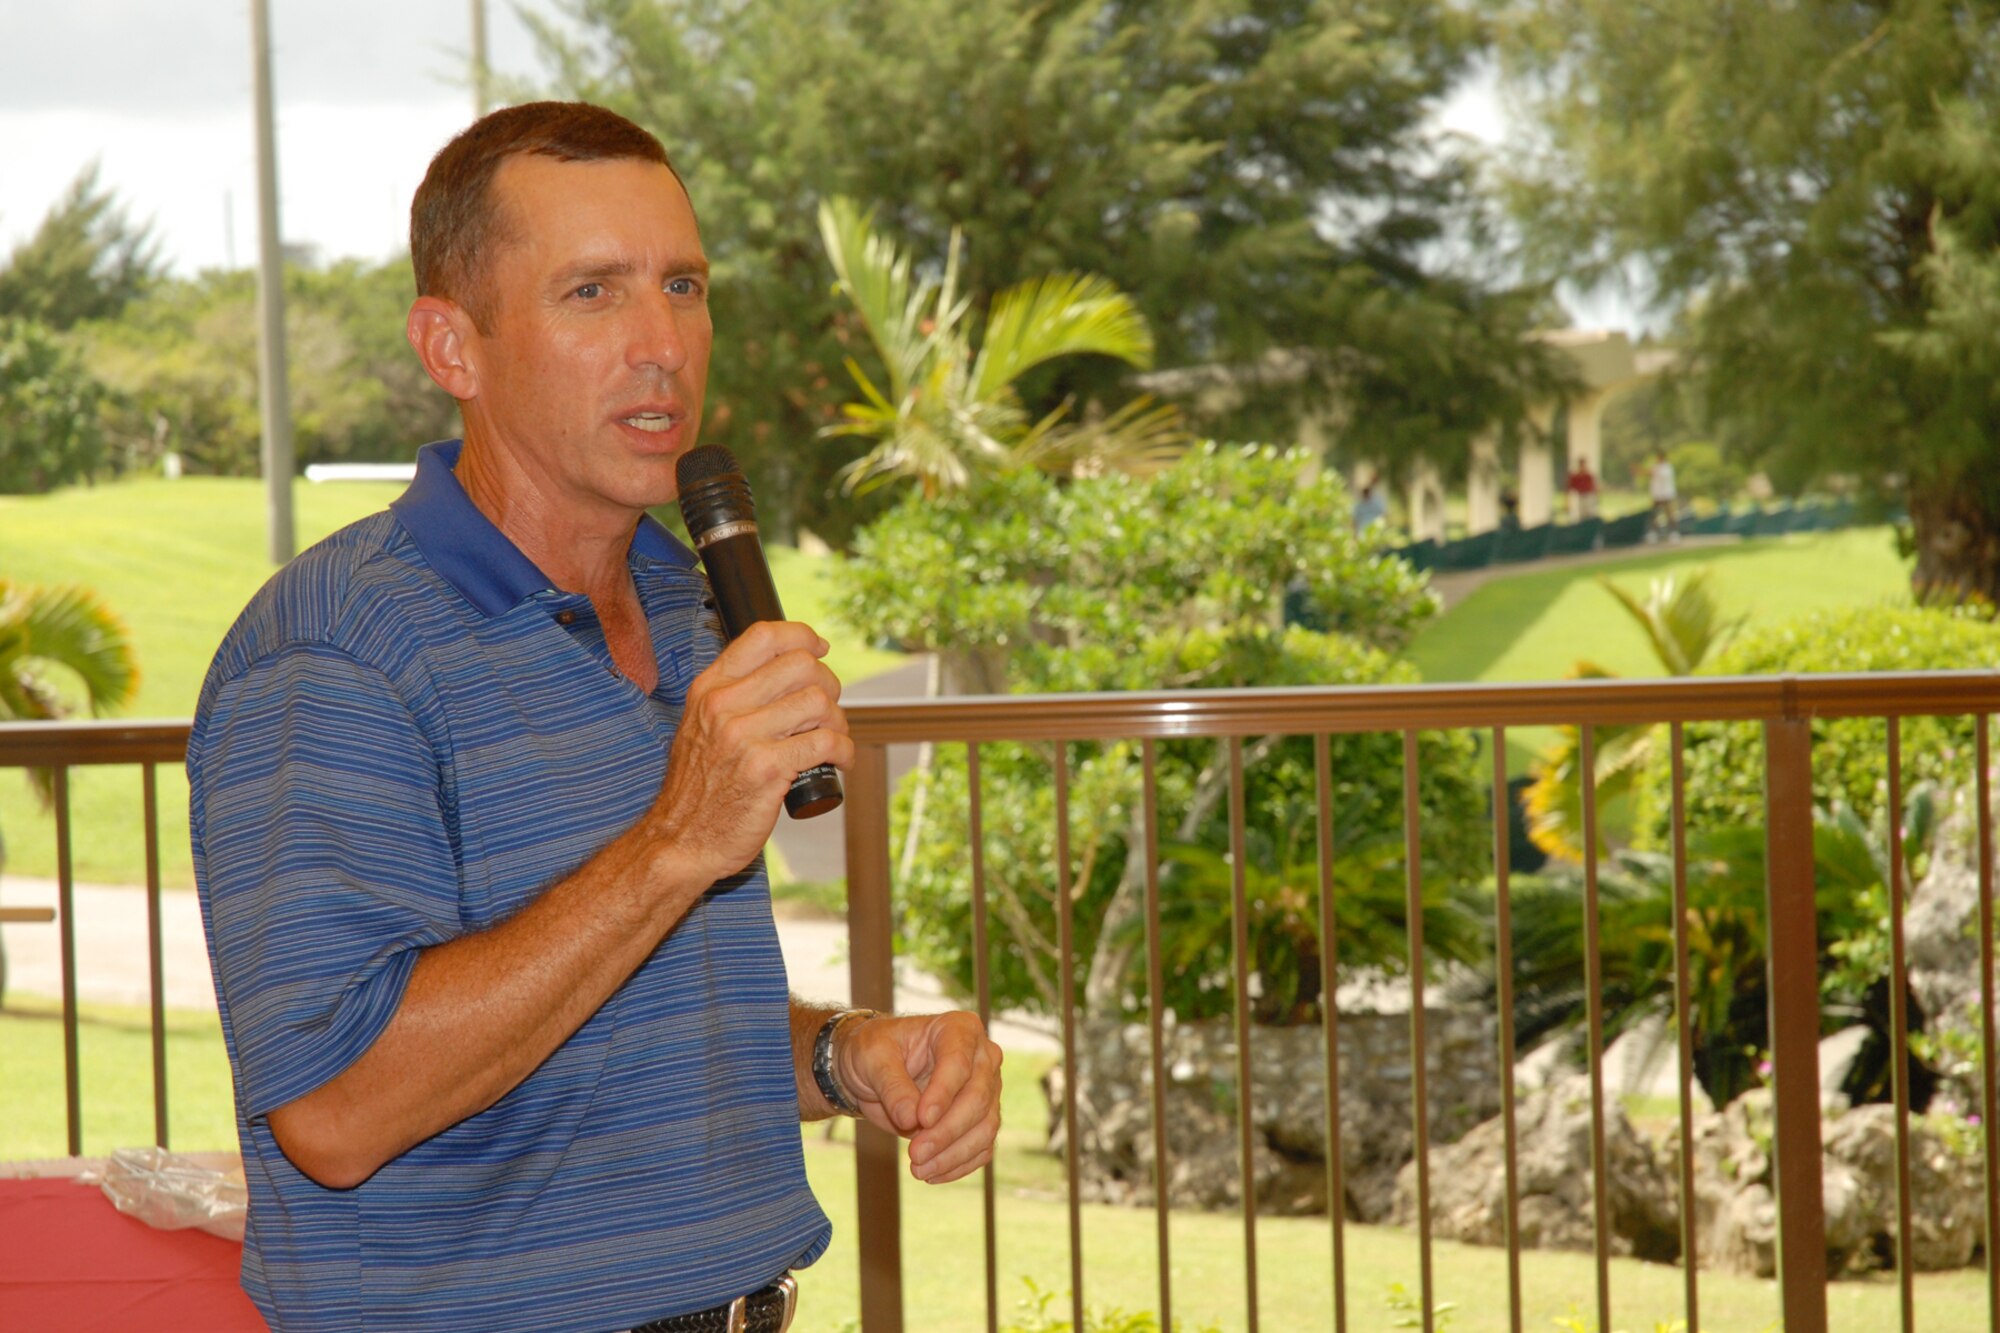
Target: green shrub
(1172, 581)
(1725, 761)
(1018, 813)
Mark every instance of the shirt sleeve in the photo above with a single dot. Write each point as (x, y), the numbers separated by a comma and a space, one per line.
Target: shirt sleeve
(325, 863)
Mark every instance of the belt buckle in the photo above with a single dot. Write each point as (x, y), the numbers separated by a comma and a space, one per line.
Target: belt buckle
(739, 1315)
(788, 1285)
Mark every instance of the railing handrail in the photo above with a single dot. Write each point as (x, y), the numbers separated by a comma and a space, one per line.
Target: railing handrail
(98, 741)
(1161, 714)
(1785, 705)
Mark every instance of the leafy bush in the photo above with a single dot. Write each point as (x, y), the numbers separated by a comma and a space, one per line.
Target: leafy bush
(1725, 761)
(1171, 581)
(1281, 874)
(1087, 573)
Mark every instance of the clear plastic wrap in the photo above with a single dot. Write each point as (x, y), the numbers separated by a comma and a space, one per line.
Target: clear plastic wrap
(172, 1192)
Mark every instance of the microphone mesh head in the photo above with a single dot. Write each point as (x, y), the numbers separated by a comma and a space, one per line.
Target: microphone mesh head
(698, 465)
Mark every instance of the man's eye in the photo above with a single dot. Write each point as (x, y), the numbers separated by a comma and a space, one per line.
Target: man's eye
(590, 291)
(685, 286)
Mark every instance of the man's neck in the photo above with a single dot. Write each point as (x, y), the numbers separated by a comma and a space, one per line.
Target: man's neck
(581, 550)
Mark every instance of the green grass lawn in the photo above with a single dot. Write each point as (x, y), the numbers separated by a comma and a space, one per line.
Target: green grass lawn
(115, 1057)
(1537, 624)
(942, 1236)
(177, 560)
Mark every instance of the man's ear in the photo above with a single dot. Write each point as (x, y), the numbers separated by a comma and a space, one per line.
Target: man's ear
(442, 335)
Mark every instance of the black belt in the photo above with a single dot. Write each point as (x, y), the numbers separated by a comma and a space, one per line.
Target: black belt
(766, 1311)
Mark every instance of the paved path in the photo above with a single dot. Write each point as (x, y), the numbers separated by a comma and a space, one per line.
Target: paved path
(112, 967)
(1455, 587)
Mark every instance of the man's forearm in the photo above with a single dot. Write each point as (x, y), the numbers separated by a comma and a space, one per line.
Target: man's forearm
(481, 1012)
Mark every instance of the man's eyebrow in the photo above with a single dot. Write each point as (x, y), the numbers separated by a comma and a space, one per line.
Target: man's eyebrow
(597, 270)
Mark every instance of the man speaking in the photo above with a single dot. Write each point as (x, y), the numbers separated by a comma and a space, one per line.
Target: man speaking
(478, 801)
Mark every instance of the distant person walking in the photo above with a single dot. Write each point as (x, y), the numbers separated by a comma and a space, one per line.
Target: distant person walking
(1370, 508)
(1666, 517)
(1582, 488)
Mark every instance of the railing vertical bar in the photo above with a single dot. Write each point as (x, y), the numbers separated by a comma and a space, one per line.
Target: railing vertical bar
(1684, 1028)
(66, 889)
(983, 991)
(1420, 1098)
(1329, 983)
(1503, 965)
(871, 969)
(1989, 1083)
(1792, 959)
(1246, 1102)
(1156, 1017)
(150, 792)
(1593, 987)
(1065, 985)
(1899, 1026)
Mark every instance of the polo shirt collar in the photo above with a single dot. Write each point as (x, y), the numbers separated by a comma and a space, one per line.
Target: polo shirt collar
(473, 555)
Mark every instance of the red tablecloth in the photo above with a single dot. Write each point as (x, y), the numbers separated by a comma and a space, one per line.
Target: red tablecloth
(71, 1263)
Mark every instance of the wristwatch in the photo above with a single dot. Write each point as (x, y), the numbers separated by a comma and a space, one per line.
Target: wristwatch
(822, 1064)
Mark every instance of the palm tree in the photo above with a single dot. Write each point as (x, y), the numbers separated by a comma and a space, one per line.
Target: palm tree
(47, 634)
(949, 413)
(72, 631)
(1684, 627)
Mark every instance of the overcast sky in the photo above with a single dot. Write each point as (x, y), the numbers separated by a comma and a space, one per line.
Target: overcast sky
(158, 92)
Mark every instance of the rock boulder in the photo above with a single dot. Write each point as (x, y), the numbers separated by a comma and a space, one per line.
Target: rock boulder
(1557, 1192)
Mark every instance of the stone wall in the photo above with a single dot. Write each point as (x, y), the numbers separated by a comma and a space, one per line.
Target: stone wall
(1288, 1108)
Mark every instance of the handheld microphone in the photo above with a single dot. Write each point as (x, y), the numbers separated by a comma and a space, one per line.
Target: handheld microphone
(722, 521)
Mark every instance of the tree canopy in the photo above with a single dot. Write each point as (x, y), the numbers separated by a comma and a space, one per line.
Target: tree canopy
(87, 260)
(1815, 191)
(50, 432)
(1257, 174)
(181, 364)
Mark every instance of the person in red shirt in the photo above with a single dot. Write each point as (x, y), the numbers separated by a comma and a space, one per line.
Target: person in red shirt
(1582, 488)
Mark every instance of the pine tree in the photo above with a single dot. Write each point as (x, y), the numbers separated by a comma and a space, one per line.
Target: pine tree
(85, 261)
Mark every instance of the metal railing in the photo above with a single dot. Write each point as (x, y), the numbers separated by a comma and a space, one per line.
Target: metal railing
(1786, 707)
(60, 747)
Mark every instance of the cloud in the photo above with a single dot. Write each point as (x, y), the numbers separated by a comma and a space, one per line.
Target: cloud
(169, 56)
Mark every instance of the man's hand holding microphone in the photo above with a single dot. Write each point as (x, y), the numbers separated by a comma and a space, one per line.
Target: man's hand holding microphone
(763, 727)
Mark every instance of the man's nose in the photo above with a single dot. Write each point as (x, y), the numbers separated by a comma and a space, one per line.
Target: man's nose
(657, 338)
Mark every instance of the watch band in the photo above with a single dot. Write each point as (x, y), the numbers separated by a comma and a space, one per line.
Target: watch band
(822, 1061)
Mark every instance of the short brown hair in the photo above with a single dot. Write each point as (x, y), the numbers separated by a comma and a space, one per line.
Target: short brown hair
(455, 220)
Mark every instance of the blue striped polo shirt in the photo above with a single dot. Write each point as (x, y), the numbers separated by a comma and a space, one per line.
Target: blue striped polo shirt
(406, 737)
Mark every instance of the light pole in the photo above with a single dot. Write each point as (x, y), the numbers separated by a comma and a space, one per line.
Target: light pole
(481, 76)
(274, 397)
